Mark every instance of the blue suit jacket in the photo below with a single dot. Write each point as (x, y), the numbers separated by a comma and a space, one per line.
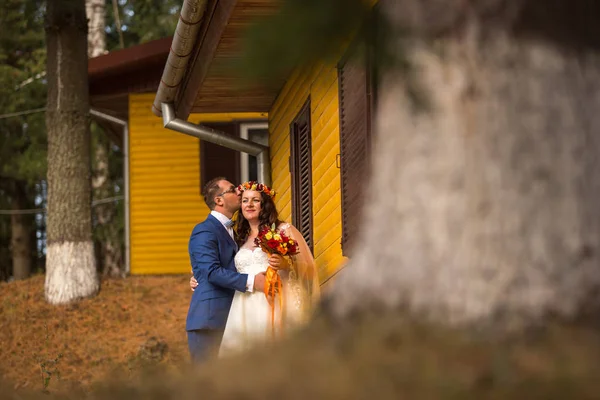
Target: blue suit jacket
(211, 254)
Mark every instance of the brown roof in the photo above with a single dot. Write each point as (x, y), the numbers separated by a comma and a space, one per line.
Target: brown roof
(130, 59)
(136, 69)
(114, 75)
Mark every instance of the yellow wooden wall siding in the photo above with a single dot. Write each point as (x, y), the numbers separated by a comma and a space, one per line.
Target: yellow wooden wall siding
(165, 200)
(320, 83)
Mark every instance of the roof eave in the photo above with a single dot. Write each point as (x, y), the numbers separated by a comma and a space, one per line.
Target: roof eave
(184, 41)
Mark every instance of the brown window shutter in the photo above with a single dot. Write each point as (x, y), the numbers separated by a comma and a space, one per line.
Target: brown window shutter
(355, 139)
(301, 169)
(217, 160)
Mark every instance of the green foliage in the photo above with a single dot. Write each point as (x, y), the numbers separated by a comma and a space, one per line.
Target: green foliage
(141, 21)
(22, 56)
(302, 31)
(22, 138)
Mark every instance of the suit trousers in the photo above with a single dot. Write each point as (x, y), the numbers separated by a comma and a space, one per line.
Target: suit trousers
(203, 343)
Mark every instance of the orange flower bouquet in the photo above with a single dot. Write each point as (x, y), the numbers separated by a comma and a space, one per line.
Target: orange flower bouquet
(273, 241)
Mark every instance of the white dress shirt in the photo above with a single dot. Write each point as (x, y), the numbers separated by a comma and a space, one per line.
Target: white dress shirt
(223, 220)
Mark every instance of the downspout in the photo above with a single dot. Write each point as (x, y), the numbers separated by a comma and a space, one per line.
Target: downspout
(210, 135)
(122, 123)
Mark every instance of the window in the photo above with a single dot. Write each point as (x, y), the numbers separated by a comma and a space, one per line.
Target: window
(301, 169)
(236, 166)
(356, 103)
(257, 132)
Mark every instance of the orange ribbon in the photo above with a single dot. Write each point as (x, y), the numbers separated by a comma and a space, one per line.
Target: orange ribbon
(273, 288)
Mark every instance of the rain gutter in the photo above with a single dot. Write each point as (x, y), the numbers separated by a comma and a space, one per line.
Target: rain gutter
(180, 53)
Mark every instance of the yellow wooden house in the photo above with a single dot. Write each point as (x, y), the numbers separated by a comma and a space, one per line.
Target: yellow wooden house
(314, 127)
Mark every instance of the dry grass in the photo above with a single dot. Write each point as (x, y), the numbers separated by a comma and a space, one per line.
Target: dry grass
(93, 337)
(381, 356)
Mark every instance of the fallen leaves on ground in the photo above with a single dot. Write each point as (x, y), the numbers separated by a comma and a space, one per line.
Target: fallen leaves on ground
(129, 322)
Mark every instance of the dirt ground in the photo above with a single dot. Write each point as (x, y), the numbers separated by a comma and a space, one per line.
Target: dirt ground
(129, 322)
(139, 322)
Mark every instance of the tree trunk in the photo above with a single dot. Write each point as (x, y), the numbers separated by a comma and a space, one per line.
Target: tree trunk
(112, 255)
(483, 208)
(96, 14)
(70, 263)
(107, 229)
(20, 242)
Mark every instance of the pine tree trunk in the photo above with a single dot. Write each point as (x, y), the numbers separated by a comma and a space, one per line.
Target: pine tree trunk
(70, 263)
(484, 208)
(96, 14)
(20, 242)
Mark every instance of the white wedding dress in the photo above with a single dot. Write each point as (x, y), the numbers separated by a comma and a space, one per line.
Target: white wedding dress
(249, 321)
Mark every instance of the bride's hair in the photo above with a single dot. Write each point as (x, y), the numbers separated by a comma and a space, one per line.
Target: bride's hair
(268, 216)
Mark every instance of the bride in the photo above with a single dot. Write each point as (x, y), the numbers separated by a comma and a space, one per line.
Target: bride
(250, 322)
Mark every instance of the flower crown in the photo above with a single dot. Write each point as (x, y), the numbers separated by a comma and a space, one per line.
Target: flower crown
(257, 187)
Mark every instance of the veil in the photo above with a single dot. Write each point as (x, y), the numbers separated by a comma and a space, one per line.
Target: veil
(303, 290)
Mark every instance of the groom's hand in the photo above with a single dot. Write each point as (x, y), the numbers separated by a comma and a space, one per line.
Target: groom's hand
(193, 283)
(259, 282)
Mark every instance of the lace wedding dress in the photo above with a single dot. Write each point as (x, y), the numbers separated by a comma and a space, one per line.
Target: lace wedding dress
(249, 321)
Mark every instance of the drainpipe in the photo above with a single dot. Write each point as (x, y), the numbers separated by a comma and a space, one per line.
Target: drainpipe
(122, 123)
(210, 135)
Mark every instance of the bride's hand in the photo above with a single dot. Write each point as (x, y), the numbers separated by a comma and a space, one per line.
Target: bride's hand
(278, 262)
(193, 283)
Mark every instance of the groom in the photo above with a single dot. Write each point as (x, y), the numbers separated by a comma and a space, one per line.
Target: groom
(212, 250)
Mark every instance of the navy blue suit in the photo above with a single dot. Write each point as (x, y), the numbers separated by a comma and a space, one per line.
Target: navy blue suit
(212, 253)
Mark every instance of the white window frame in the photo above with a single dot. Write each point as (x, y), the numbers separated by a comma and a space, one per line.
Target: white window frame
(244, 128)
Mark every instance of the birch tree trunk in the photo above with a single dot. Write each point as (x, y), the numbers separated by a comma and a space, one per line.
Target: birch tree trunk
(96, 13)
(484, 208)
(106, 227)
(106, 232)
(70, 262)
